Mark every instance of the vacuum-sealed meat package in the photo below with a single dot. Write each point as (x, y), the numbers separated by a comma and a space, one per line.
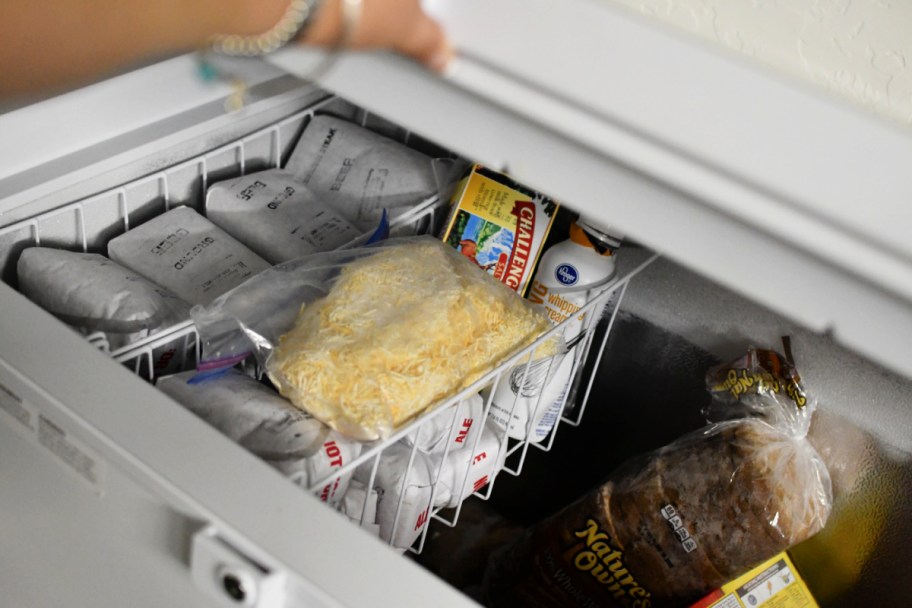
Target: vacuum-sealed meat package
(278, 218)
(669, 526)
(258, 419)
(186, 253)
(94, 294)
(358, 172)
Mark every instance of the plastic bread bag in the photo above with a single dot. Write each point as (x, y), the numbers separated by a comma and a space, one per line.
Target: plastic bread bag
(278, 218)
(367, 339)
(669, 526)
(359, 172)
(255, 417)
(94, 294)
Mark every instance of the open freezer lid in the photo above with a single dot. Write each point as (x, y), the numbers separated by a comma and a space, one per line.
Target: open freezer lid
(782, 193)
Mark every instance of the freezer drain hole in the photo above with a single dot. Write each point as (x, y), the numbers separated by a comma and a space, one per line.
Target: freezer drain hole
(234, 587)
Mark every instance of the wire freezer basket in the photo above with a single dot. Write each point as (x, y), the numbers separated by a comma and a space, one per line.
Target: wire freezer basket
(400, 484)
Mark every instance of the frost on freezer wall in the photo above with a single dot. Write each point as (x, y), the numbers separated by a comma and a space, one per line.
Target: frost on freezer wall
(858, 49)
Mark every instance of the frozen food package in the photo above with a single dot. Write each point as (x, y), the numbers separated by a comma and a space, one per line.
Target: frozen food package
(94, 294)
(275, 216)
(471, 469)
(358, 172)
(360, 506)
(258, 419)
(456, 427)
(402, 482)
(186, 253)
(366, 339)
(670, 526)
(500, 225)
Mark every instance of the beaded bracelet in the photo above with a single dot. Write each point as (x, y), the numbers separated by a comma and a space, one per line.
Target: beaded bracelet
(296, 18)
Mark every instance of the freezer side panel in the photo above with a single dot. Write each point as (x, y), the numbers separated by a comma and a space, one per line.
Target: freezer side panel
(67, 542)
(96, 418)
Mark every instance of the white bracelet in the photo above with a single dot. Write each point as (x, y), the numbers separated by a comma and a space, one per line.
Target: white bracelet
(295, 19)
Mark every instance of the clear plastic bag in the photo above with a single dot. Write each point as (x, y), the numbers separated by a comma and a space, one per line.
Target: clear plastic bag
(366, 339)
(671, 525)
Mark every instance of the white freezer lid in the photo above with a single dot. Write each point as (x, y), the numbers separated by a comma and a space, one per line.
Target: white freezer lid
(782, 193)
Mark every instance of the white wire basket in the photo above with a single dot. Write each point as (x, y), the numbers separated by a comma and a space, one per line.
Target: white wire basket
(401, 484)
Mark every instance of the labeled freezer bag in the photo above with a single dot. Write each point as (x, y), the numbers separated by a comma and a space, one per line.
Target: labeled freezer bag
(358, 172)
(188, 254)
(460, 473)
(367, 339)
(669, 526)
(410, 484)
(438, 432)
(91, 293)
(277, 217)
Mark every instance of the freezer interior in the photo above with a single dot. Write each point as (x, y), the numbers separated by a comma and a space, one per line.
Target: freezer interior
(643, 365)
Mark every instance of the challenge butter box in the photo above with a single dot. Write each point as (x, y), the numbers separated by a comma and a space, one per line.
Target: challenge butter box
(773, 584)
(500, 225)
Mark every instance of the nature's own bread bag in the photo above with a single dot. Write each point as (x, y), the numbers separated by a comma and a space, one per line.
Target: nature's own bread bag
(668, 526)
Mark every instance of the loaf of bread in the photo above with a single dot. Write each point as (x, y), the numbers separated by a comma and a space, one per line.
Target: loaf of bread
(667, 527)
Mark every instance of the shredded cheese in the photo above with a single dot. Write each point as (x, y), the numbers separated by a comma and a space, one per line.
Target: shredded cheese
(399, 330)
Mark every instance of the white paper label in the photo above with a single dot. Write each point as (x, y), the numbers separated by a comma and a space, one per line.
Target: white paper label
(13, 405)
(38, 428)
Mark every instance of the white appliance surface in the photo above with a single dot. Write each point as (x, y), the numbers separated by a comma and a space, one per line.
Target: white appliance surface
(774, 190)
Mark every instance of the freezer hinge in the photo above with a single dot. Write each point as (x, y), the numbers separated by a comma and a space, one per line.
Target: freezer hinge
(232, 578)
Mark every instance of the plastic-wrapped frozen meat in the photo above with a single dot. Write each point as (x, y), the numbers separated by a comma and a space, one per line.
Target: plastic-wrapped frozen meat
(188, 254)
(276, 216)
(257, 418)
(94, 294)
(359, 172)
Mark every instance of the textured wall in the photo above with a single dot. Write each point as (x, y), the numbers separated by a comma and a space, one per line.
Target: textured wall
(858, 49)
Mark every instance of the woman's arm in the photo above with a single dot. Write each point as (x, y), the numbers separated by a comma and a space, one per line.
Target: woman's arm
(58, 44)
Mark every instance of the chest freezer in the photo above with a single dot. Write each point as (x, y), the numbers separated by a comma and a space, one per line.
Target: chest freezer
(747, 184)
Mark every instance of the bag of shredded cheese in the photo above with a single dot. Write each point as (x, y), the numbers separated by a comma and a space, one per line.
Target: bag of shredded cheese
(367, 339)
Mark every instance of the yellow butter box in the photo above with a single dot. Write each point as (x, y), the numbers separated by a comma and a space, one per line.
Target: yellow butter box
(773, 584)
(500, 225)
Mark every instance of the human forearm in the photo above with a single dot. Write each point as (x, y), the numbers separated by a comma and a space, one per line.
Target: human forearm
(58, 44)
(61, 43)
